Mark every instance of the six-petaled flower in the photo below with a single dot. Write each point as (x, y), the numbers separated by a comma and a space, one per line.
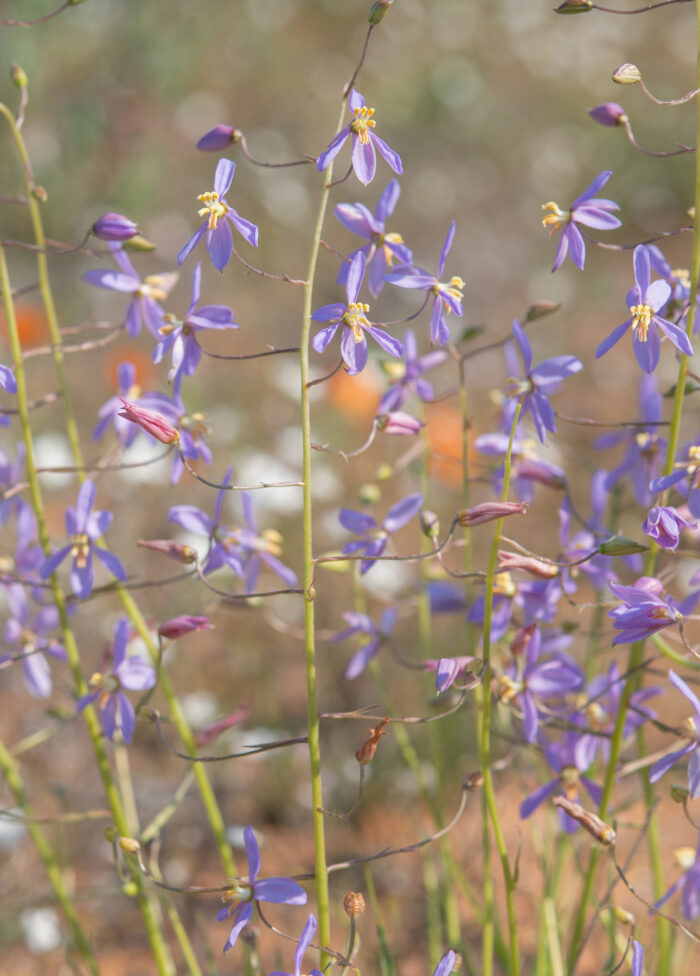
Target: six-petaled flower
(364, 141)
(586, 210)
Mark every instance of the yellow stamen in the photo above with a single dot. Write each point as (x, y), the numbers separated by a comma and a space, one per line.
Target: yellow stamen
(362, 122)
(356, 319)
(682, 276)
(80, 550)
(154, 287)
(213, 206)
(641, 319)
(556, 218)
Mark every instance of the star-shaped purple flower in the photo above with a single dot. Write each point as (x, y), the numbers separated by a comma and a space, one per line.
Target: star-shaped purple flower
(584, 210)
(242, 893)
(360, 623)
(83, 527)
(131, 673)
(645, 610)
(220, 215)
(383, 247)
(409, 375)
(353, 319)
(375, 536)
(539, 382)
(644, 300)
(145, 294)
(447, 296)
(26, 637)
(364, 141)
(180, 336)
(691, 749)
(562, 757)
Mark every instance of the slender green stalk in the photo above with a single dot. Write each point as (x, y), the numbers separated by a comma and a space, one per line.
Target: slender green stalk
(321, 867)
(158, 945)
(78, 939)
(485, 741)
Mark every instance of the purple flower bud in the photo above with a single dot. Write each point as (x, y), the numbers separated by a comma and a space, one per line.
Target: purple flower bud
(532, 565)
(488, 511)
(114, 227)
(220, 137)
(665, 524)
(610, 113)
(213, 731)
(174, 550)
(179, 626)
(397, 422)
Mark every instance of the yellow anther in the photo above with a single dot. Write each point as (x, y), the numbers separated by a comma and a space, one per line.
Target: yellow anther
(685, 856)
(80, 549)
(362, 122)
(556, 218)
(641, 319)
(213, 206)
(694, 453)
(356, 319)
(236, 891)
(455, 288)
(643, 439)
(153, 286)
(682, 276)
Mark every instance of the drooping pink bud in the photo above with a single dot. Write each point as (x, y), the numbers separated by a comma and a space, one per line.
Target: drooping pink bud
(398, 422)
(488, 511)
(213, 731)
(184, 624)
(532, 565)
(220, 137)
(521, 641)
(174, 550)
(610, 113)
(114, 227)
(151, 421)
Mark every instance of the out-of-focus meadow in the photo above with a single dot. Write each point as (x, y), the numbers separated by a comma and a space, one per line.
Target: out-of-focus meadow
(487, 104)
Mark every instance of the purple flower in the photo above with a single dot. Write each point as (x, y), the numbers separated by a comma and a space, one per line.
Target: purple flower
(562, 757)
(219, 214)
(7, 379)
(360, 623)
(180, 336)
(447, 296)
(645, 610)
(224, 549)
(304, 942)
(448, 669)
(353, 319)
(408, 376)
(26, 637)
(528, 469)
(643, 444)
(644, 300)
(690, 880)
(84, 527)
(145, 294)
(257, 548)
(382, 247)
(109, 412)
(132, 673)
(364, 141)
(114, 227)
(220, 137)
(637, 958)
(688, 468)
(598, 568)
(692, 728)
(609, 113)
(539, 381)
(242, 893)
(397, 422)
(446, 964)
(665, 523)
(584, 210)
(375, 536)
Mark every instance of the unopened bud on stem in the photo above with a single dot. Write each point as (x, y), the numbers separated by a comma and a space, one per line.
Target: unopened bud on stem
(354, 904)
(627, 74)
(18, 76)
(367, 748)
(378, 11)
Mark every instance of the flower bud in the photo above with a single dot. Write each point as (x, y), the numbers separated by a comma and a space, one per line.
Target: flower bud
(536, 567)
(620, 545)
(40, 194)
(473, 781)
(378, 11)
(220, 137)
(129, 845)
(596, 827)
(213, 731)
(354, 904)
(174, 550)
(369, 494)
(397, 422)
(114, 227)
(627, 74)
(429, 523)
(623, 916)
(679, 793)
(140, 243)
(367, 748)
(610, 114)
(521, 641)
(179, 626)
(574, 7)
(336, 565)
(488, 511)
(540, 309)
(130, 889)
(18, 76)
(151, 421)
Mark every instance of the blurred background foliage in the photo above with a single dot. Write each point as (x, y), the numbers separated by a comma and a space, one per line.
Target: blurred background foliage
(487, 104)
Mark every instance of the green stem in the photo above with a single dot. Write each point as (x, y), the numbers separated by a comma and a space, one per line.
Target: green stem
(10, 771)
(158, 944)
(485, 739)
(321, 867)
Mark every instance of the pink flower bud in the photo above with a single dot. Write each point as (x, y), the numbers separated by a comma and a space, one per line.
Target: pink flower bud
(213, 731)
(521, 641)
(152, 422)
(488, 511)
(174, 550)
(179, 626)
(610, 114)
(397, 422)
(532, 565)
(220, 137)
(114, 227)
